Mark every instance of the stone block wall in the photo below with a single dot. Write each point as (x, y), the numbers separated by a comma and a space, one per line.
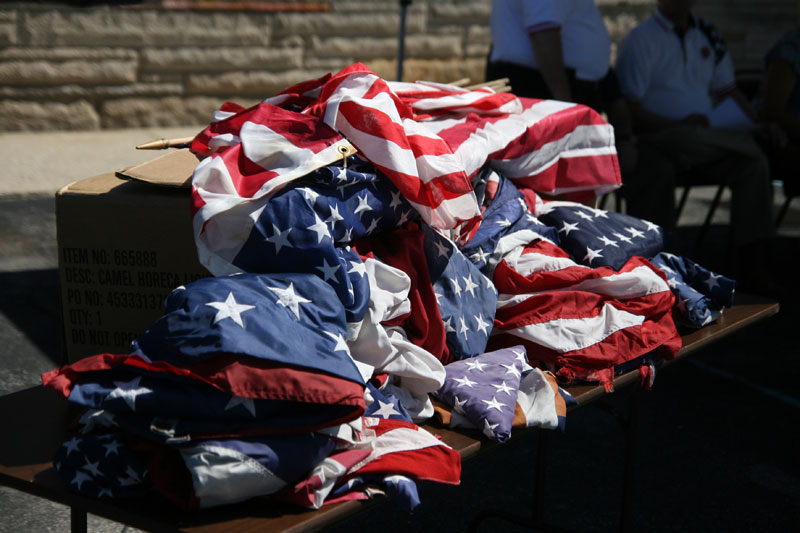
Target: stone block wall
(172, 62)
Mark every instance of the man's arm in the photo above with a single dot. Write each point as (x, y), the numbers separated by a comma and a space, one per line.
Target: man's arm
(647, 122)
(779, 83)
(550, 58)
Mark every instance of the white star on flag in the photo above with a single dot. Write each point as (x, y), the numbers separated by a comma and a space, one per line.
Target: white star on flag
(287, 298)
(494, 404)
(79, 478)
(442, 249)
(464, 328)
(111, 447)
(229, 309)
(362, 205)
(456, 286)
(396, 200)
(320, 228)
(458, 405)
(341, 343)
(469, 285)
(328, 271)
(72, 445)
(488, 429)
(503, 388)
(511, 369)
(386, 410)
(479, 256)
(623, 238)
(310, 194)
(608, 242)
(279, 238)
(247, 403)
(712, 280)
(335, 216)
(635, 232)
(482, 325)
(357, 268)
(475, 365)
(465, 382)
(92, 467)
(128, 391)
(591, 255)
(568, 227)
(651, 226)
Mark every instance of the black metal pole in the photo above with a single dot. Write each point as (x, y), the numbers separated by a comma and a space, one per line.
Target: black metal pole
(401, 44)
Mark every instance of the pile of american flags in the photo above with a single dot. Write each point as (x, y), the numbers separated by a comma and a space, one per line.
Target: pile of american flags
(382, 254)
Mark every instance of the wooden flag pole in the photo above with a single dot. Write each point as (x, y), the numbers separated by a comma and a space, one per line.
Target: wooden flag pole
(163, 144)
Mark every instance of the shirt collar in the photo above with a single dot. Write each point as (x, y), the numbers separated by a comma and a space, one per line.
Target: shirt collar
(667, 24)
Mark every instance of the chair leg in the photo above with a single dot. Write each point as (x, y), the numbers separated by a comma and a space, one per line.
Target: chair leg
(710, 215)
(783, 211)
(682, 203)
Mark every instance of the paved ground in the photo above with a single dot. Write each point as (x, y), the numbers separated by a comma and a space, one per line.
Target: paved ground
(718, 438)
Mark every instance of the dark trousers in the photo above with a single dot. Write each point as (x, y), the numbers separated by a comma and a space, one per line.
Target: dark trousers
(529, 82)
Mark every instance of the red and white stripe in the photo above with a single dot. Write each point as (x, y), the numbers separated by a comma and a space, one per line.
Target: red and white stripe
(582, 321)
(429, 139)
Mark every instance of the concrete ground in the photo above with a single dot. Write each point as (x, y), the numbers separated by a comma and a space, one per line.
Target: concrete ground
(718, 439)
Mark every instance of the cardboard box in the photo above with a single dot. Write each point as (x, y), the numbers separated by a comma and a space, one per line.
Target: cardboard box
(124, 242)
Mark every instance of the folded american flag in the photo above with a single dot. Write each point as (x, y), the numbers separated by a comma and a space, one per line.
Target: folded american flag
(700, 294)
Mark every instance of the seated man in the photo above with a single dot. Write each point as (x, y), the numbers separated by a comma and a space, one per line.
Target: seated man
(673, 68)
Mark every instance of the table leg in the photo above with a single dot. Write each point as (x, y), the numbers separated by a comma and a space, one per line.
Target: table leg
(626, 504)
(77, 519)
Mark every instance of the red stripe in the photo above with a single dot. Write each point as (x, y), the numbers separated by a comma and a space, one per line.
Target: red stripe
(238, 375)
(586, 172)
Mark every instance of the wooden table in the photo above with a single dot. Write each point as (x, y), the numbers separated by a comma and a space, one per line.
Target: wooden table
(35, 420)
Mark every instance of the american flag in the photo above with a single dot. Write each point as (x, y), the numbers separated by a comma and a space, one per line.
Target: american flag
(483, 389)
(363, 232)
(700, 294)
(429, 140)
(595, 237)
(579, 321)
(245, 353)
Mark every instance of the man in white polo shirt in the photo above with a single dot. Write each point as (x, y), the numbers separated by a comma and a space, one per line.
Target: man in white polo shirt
(674, 69)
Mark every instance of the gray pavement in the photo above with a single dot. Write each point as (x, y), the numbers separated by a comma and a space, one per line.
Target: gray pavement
(718, 439)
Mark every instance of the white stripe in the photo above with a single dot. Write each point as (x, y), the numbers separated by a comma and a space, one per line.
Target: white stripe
(221, 475)
(492, 137)
(564, 335)
(638, 282)
(589, 140)
(530, 262)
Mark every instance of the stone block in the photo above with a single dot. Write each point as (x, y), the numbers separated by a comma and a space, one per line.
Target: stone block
(259, 84)
(461, 12)
(434, 47)
(91, 93)
(170, 111)
(45, 116)
(373, 24)
(42, 72)
(360, 47)
(189, 59)
(103, 25)
(8, 28)
(66, 53)
(479, 50)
